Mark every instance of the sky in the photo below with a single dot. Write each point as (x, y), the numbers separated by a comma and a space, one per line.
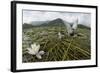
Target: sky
(83, 18)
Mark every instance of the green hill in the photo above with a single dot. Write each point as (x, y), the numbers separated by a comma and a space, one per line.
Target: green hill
(27, 26)
(82, 26)
(56, 22)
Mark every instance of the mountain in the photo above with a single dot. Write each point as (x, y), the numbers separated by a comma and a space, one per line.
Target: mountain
(59, 22)
(25, 26)
(56, 22)
(83, 26)
(36, 23)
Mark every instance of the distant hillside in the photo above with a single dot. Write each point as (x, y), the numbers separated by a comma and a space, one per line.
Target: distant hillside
(56, 22)
(82, 26)
(38, 23)
(25, 26)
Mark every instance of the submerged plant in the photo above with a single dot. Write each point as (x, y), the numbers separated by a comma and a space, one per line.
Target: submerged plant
(34, 50)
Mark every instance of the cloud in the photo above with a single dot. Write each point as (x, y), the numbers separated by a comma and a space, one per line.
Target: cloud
(83, 18)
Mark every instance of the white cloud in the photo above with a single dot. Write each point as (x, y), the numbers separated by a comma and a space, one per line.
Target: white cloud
(83, 18)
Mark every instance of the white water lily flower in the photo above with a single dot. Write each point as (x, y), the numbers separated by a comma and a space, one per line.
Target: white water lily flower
(34, 50)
